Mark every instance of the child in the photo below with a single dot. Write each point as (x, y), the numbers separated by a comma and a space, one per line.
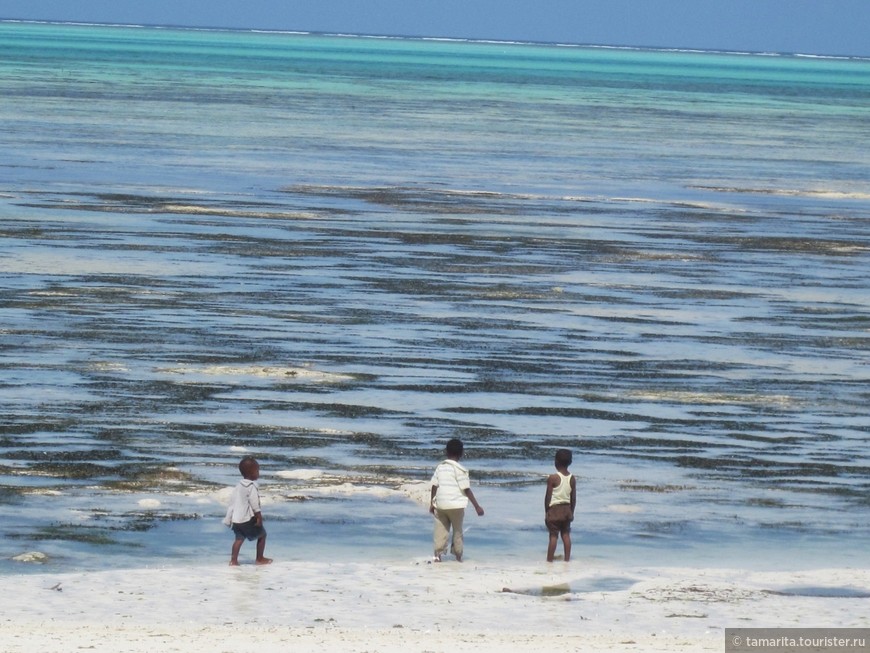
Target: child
(244, 514)
(451, 492)
(559, 503)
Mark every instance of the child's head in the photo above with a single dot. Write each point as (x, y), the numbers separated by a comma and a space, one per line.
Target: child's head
(564, 458)
(250, 468)
(454, 448)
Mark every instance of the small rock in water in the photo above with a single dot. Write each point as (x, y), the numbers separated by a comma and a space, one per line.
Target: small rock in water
(31, 556)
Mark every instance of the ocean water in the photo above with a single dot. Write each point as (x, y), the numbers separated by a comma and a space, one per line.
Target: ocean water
(335, 253)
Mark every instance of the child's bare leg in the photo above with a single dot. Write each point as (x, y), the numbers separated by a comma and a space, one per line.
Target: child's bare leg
(261, 549)
(234, 555)
(566, 543)
(551, 547)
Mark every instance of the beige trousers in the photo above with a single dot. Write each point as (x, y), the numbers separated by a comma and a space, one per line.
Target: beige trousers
(444, 521)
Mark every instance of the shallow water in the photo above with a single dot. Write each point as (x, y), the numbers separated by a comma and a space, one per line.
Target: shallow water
(336, 254)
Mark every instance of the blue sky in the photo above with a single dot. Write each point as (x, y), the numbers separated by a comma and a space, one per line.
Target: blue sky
(806, 26)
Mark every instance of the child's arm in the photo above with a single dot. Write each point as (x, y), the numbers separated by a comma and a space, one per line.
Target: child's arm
(432, 499)
(552, 479)
(254, 502)
(573, 493)
(474, 502)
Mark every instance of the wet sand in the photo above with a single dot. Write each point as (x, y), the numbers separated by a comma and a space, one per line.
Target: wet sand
(417, 605)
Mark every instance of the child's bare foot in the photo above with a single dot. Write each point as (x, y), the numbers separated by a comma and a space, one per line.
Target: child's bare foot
(234, 563)
(264, 561)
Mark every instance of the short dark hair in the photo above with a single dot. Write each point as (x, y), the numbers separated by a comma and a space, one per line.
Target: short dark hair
(564, 457)
(454, 447)
(246, 463)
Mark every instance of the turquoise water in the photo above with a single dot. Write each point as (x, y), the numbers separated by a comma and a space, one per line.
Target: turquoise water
(338, 252)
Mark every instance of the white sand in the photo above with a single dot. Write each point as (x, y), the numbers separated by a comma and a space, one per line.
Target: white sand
(395, 607)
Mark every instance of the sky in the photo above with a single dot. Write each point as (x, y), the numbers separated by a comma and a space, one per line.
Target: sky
(831, 27)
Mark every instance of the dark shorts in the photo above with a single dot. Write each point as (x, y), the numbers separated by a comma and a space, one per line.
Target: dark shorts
(249, 530)
(559, 518)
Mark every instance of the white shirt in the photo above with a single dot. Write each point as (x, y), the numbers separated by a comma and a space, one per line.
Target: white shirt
(244, 503)
(452, 480)
(562, 492)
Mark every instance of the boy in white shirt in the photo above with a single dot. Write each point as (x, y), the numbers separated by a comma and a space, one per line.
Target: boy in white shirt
(451, 492)
(244, 514)
(560, 500)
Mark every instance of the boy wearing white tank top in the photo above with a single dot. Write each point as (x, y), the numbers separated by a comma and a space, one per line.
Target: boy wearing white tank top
(559, 503)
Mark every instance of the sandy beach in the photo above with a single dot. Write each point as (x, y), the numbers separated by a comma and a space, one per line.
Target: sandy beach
(337, 252)
(417, 606)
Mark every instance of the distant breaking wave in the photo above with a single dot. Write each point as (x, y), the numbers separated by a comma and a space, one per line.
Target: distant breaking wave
(790, 192)
(449, 39)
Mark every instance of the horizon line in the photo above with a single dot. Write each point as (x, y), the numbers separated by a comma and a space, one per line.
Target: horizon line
(422, 37)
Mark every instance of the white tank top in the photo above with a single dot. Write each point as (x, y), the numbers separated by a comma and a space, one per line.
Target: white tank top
(562, 492)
